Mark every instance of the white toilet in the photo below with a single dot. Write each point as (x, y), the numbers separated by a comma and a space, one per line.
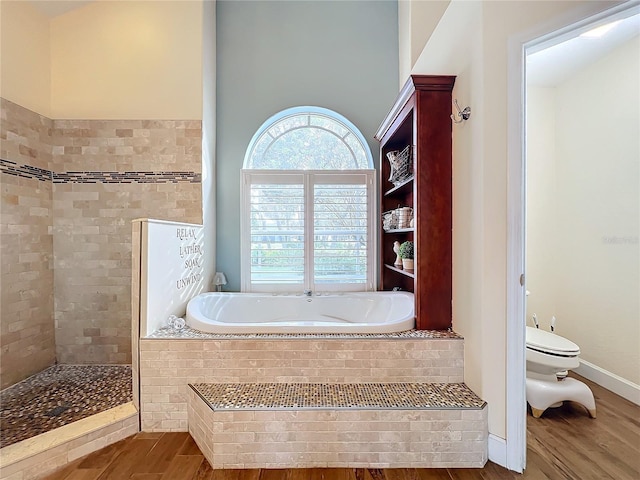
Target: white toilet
(549, 356)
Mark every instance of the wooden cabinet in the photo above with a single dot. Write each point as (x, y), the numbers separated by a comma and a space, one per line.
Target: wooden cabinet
(420, 117)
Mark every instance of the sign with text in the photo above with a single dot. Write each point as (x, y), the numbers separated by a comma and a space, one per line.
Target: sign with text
(172, 271)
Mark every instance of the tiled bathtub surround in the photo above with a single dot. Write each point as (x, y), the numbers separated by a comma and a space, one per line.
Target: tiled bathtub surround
(294, 437)
(60, 395)
(70, 189)
(26, 246)
(167, 366)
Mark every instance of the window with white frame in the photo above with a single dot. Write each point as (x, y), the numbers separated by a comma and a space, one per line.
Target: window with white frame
(307, 205)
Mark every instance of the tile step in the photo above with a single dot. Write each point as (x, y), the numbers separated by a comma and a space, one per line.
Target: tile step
(294, 425)
(282, 396)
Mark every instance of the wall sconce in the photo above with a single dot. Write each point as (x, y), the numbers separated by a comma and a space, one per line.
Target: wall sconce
(219, 279)
(462, 115)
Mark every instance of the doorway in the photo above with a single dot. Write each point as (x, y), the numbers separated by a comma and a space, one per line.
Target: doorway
(554, 207)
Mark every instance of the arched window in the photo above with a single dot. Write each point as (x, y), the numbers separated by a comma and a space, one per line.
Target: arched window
(307, 203)
(308, 138)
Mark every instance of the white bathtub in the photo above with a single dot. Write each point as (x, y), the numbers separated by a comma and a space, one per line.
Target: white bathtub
(362, 312)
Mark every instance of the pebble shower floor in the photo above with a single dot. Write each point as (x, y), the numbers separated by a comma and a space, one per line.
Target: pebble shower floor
(60, 395)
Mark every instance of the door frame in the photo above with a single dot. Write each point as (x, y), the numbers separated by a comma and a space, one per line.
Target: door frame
(542, 36)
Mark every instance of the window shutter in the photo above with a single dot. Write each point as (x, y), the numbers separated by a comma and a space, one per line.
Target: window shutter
(340, 234)
(308, 230)
(277, 234)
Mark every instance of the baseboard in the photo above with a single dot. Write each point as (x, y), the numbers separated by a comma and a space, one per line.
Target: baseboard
(610, 381)
(497, 450)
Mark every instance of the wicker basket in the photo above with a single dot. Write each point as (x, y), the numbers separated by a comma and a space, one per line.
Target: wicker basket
(401, 163)
(389, 220)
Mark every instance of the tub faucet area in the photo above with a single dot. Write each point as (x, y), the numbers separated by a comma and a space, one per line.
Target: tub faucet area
(308, 293)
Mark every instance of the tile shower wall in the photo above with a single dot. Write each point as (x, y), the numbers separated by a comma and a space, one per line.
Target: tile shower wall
(26, 245)
(70, 189)
(94, 202)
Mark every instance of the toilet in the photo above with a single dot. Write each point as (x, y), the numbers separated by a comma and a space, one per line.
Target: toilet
(549, 356)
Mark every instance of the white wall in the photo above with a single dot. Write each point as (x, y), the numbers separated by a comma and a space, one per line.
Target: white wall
(404, 40)
(166, 286)
(598, 156)
(542, 221)
(209, 136)
(416, 22)
(104, 60)
(589, 261)
(128, 60)
(471, 41)
(25, 77)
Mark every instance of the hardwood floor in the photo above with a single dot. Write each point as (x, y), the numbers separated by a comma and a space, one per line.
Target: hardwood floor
(565, 444)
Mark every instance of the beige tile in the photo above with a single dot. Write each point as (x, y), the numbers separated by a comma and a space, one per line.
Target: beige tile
(92, 278)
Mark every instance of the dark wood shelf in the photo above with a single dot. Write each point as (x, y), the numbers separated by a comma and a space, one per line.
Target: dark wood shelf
(404, 187)
(399, 270)
(421, 118)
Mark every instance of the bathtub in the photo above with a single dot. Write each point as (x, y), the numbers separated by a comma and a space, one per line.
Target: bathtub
(361, 312)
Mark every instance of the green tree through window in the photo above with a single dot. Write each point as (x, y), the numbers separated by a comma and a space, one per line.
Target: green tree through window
(308, 138)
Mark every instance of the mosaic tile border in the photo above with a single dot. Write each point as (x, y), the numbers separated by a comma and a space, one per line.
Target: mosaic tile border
(127, 177)
(27, 171)
(188, 333)
(355, 396)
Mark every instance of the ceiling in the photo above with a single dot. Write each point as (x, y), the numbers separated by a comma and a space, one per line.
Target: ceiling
(550, 65)
(53, 8)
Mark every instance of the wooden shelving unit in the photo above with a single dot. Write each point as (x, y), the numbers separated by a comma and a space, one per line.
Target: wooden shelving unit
(420, 117)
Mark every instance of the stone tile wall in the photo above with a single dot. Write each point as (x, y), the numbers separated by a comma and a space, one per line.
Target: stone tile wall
(70, 189)
(167, 366)
(26, 245)
(26, 136)
(92, 211)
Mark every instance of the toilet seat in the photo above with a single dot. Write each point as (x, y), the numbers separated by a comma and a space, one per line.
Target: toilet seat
(550, 344)
(548, 355)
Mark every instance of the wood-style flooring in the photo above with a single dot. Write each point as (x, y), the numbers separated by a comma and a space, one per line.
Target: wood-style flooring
(565, 444)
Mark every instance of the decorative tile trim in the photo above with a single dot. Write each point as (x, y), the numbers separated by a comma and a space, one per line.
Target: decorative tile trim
(127, 177)
(286, 396)
(27, 171)
(188, 333)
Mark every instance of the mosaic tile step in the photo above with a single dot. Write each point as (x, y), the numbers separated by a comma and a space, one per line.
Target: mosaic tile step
(190, 333)
(60, 395)
(283, 396)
